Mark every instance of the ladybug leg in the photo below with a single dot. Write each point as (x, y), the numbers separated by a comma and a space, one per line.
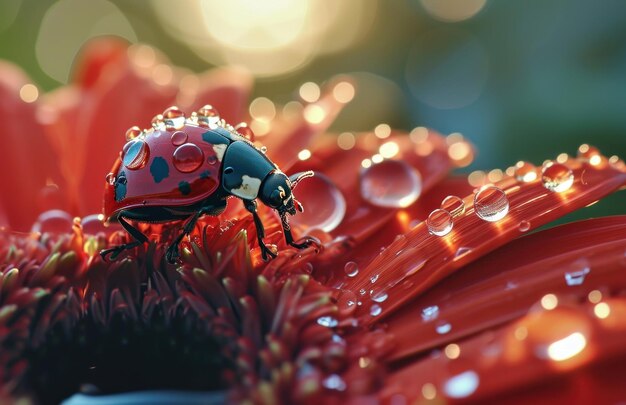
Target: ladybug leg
(139, 237)
(289, 237)
(260, 230)
(172, 253)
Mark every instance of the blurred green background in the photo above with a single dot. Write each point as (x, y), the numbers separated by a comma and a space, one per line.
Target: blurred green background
(521, 80)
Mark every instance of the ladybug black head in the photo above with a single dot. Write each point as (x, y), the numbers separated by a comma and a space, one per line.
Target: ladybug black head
(276, 192)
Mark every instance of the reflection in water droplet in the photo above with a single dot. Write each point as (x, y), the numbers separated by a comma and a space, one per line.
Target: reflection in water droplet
(375, 310)
(324, 204)
(391, 183)
(179, 138)
(351, 269)
(173, 118)
(557, 177)
(578, 274)
(439, 222)
(334, 382)
(327, 321)
(491, 204)
(53, 221)
(430, 313)
(208, 117)
(461, 385)
(454, 205)
(525, 172)
(136, 155)
(523, 226)
(443, 328)
(212, 160)
(378, 294)
(188, 158)
(346, 302)
(132, 133)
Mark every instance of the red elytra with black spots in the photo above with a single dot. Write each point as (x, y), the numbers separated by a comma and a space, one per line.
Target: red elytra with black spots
(166, 168)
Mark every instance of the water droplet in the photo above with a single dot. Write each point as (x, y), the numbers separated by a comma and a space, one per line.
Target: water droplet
(375, 310)
(439, 222)
(324, 204)
(430, 313)
(525, 172)
(351, 269)
(187, 158)
(132, 133)
(580, 269)
(362, 292)
(174, 118)
(462, 251)
(374, 278)
(263, 149)
(157, 122)
(454, 205)
(589, 153)
(208, 117)
(53, 221)
(391, 183)
(327, 321)
(378, 294)
(179, 138)
(443, 328)
(334, 382)
(110, 179)
(244, 130)
(461, 385)
(557, 177)
(491, 204)
(523, 226)
(136, 155)
(346, 302)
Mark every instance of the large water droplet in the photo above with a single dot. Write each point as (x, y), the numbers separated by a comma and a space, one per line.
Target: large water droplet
(557, 177)
(439, 222)
(391, 183)
(430, 313)
(378, 294)
(454, 205)
(132, 133)
(491, 204)
(179, 138)
(187, 158)
(579, 271)
(53, 221)
(525, 172)
(208, 117)
(173, 118)
(136, 155)
(324, 204)
(351, 269)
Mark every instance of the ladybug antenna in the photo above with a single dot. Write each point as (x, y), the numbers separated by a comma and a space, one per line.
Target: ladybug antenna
(294, 179)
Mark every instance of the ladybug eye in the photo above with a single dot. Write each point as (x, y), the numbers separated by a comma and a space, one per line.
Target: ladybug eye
(275, 198)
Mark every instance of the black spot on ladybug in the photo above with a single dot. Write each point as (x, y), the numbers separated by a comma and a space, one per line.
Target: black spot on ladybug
(213, 138)
(159, 169)
(184, 187)
(205, 174)
(120, 187)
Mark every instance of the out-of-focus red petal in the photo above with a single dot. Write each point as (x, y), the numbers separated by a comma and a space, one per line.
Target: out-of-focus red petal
(27, 159)
(97, 58)
(227, 89)
(423, 259)
(570, 261)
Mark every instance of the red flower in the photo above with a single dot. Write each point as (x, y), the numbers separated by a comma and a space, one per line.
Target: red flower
(410, 295)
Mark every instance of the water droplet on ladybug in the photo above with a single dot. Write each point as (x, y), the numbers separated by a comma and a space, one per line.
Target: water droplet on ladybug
(110, 179)
(132, 133)
(454, 205)
(208, 117)
(391, 183)
(136, 154)
(324, 204)
(439, 222)
(187, 158)
(491, 204)
(244, 130)
(525, 172)
(263, 149)
(173, 118)
(179, 138)
(53, 221)
(157, 122)
(557, 177)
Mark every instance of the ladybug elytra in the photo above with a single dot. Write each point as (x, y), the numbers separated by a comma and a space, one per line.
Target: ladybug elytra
(183, 168)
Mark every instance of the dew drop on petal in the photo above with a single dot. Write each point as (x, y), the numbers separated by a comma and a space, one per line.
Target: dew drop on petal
(454, 205)
(491, 204)
(173, 118)
(525, 172)
(443, 328)
(375, 310)
(346, 302)
(461, 385)
(53, 221)
(327, 321)
(378, 294)
(132, 133)
(557, 177)
(179, 138)
(430, 313)
(187, 158)
(374, 278)
(334, 382)
(577, 273)
(351, 269)
(462, 251)
(208, 116)
(324, 204)
(136, 155)
(439, 222)
(523, 226)
(391, 183)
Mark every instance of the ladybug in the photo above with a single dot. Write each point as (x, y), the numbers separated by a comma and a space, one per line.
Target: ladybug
(186, 167)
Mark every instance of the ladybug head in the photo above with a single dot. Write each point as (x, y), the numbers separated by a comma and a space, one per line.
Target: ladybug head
(276, 192)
